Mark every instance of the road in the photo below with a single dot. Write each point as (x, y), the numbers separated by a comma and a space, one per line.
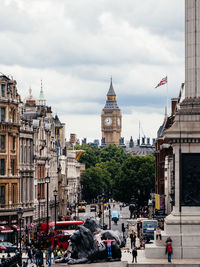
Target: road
(124, 215)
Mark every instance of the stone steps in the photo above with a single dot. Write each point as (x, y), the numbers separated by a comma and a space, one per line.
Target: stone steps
(158, 252)
(188, 240)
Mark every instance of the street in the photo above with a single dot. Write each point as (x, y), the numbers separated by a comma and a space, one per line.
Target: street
(124, 215)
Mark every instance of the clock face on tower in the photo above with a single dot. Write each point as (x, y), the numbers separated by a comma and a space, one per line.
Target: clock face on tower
(118, 121)
(108, 121)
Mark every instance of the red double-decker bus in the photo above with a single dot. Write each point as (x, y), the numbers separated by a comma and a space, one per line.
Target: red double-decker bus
(64, 229)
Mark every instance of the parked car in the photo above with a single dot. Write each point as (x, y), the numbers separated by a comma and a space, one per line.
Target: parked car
(3, 249)
(9, 246)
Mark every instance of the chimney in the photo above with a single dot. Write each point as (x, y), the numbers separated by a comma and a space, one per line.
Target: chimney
(72, 138)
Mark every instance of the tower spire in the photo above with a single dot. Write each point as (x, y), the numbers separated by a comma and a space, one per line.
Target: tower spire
(41, 100)
(111, 91)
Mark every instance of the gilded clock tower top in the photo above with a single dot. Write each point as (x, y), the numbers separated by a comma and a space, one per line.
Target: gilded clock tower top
(111, 119)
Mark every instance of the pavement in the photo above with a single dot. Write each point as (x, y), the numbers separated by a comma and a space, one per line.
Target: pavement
(126, 252)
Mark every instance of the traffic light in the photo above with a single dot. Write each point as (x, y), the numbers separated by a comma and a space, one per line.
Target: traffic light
(123, 228)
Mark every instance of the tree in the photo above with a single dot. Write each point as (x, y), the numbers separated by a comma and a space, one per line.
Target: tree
(112, 152)
(135, 178)
(95, 181)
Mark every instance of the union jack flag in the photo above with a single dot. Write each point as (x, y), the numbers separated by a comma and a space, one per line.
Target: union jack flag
(163, 81)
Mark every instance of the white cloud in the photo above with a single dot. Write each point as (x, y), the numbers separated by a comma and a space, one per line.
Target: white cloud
(75, 46)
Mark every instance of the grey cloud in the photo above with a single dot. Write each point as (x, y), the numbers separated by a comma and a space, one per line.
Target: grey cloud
(13, 19)
(66, 40)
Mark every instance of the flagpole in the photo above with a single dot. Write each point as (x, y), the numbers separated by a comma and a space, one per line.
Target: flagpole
(167, 95)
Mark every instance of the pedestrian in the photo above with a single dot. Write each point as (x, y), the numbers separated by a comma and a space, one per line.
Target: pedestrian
(109, 242)
(169, 249)
(132, 210)
(134, 253)
(29, 252)
(41, 259)
(24, 264)
(3, 259)
(33, 252)
(133, 239)
(158, 233)
(8, 255)
(49, 250)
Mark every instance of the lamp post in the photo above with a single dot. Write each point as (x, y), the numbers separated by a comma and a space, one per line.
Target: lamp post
(55, 193)
(20, 213)
(47, 181)
(103, 208)
(39, 210)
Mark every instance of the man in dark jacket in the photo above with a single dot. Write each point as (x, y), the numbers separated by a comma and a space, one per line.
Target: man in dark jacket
(133, 239)
(134, 253)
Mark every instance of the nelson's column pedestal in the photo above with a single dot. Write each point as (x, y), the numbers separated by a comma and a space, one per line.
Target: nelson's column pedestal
(183, 224)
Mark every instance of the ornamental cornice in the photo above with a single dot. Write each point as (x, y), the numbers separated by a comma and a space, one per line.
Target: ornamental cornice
(184, 140)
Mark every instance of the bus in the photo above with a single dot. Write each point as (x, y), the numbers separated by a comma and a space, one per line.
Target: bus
(146, 228)
(60, 237)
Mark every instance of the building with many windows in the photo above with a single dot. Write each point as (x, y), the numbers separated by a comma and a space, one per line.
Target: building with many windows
(9, 156)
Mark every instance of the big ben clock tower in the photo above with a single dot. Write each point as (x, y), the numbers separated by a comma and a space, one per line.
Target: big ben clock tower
(111, 119)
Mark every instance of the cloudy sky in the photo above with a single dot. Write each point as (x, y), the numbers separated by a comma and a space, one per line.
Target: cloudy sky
(74, 46)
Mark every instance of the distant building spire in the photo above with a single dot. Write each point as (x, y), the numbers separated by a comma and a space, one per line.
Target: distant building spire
(111, 91)
(41, 100)
(111, 102)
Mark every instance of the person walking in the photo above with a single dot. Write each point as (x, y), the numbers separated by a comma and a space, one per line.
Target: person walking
(3, 259)
(169, 249)
(29, 252)
(134, 253)
(133, 239)
(49, 251)
(109, 242)
(40, 258)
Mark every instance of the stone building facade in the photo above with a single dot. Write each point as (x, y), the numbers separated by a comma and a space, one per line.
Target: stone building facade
(9, 155)
(33, 148)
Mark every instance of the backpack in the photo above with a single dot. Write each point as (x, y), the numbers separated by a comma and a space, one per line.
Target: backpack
(169, 248)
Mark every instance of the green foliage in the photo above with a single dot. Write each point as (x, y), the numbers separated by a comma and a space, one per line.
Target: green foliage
(116, 173)
(136, 178)
(95, 180)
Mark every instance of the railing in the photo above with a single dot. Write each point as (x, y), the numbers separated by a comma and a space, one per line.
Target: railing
(14, 206)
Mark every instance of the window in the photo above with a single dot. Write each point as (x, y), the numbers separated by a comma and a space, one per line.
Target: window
(2, 114)
(41, 172)
(3, 90)
(13, 166)
(2, 141)
(13, 116)
(2, 166)
(2, 195)
(14, 193)
(13, 143)
(41, 191)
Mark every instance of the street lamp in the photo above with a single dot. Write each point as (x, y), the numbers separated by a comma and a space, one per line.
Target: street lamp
(39, 209)
(103, 207)
(55, 193)
(109, 211)
(47, 181)
(20, 213)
